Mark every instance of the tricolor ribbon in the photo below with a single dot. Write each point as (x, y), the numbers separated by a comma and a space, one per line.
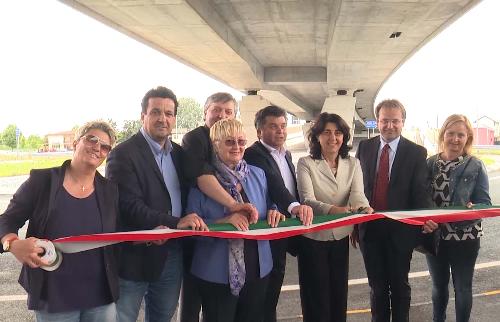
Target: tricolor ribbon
(288, 228)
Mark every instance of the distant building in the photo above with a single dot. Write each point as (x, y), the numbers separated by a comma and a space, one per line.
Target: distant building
(485, 131)
(60, 141)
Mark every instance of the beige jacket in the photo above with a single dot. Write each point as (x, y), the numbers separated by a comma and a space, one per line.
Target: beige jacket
(320, 189)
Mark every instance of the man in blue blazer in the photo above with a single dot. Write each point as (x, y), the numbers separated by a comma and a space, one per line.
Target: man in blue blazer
(387, 245)
(270, 154)
(152, 192)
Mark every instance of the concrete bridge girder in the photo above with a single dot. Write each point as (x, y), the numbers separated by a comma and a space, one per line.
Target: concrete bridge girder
(304, 50)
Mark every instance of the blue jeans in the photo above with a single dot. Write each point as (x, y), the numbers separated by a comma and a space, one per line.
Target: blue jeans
(160, 296)
(105, 313)
(460, 257)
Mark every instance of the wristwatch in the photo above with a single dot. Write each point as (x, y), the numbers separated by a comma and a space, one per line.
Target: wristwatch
(6, 244)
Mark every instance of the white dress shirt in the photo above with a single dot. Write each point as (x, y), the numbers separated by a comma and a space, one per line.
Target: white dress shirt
(279, 156)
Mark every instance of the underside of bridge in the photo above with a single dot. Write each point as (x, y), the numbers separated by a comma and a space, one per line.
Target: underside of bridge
(299, 54)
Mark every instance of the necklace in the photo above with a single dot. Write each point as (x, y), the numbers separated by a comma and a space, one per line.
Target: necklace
(82, 186)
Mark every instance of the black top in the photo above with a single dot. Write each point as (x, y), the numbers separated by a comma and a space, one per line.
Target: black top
(199, 155)
(35, 201)
(80, 282)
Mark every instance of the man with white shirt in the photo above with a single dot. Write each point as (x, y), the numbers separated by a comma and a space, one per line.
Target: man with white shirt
(269, 154)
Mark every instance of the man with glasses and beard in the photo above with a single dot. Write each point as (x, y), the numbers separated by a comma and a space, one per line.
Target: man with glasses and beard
(395, 178)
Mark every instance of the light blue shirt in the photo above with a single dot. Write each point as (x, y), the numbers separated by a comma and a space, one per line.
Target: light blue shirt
(166, 165)
(393, 147)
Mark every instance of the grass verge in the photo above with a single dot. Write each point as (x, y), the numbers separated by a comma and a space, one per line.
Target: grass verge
(23, 167)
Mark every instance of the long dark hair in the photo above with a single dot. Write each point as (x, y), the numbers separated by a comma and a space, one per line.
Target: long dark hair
(318, 128)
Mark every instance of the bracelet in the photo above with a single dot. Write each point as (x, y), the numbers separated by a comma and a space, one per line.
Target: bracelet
(7, 242)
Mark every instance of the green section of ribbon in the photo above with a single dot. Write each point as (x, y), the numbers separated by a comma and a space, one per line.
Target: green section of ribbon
(289, 222)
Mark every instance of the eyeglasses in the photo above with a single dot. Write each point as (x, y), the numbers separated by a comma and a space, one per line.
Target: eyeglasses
(232, 142)
(394, 122)
(93, 140)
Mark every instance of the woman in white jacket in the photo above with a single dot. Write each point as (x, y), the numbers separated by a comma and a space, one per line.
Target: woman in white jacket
(331, 182)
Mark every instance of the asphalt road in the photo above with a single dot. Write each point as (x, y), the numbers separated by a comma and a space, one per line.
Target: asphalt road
(486, 283)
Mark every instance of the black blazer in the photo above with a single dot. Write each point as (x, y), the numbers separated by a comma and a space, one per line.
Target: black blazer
(259, 156)
(408, 188)
(144, 204)
(34, 201)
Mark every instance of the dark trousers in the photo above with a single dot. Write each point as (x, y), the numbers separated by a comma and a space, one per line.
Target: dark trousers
(219, 305)
(387, 267)
(459, 257)
(190, 298)
(278, 250)
(323, 274)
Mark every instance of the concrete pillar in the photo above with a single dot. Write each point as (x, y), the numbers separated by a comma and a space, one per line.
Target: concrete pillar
(343, 105)
(248, 106)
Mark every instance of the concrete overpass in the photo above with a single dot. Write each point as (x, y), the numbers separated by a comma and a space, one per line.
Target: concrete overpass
(307, 56)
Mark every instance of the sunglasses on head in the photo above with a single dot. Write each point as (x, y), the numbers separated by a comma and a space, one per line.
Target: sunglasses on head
(232, 142)
(93, 140)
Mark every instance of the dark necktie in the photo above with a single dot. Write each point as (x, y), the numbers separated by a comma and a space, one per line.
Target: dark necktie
(379, 195)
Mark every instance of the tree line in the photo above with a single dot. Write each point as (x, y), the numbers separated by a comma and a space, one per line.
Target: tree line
(189, 116)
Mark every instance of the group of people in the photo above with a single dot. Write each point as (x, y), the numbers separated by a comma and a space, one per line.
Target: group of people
(153, 183)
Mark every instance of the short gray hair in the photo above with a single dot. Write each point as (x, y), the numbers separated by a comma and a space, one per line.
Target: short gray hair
(220, 97)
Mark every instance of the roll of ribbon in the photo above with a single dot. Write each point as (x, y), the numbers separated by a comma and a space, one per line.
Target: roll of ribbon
(51, 255)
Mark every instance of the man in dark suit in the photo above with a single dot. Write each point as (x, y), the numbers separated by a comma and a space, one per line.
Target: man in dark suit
(395, 178)
(147, 169)
(270, 155)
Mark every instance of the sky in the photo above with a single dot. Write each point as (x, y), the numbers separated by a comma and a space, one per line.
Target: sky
(60, 68)
(456, 72)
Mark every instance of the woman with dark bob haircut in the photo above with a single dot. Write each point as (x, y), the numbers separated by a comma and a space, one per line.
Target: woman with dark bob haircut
(331, 182)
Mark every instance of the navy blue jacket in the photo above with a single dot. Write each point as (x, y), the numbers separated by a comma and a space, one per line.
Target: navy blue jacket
(144, 204)
(409, 188)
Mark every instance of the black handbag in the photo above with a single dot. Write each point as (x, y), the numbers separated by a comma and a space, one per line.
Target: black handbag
(429, 243)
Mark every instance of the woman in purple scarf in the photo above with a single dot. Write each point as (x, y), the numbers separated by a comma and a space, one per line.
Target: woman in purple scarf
(232, 274)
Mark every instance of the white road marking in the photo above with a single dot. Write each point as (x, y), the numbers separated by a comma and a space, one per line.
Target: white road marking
(10, 298)
(287, 288)
(359, 281)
